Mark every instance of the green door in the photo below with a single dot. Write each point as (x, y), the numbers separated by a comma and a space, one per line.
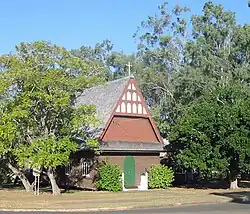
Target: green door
(129, 170)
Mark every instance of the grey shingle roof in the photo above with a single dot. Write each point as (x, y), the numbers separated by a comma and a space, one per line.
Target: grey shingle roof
(104, 97)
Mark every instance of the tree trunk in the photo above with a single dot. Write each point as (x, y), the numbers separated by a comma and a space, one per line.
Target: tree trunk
(233, 181)
(234, 184)
(55, 189)
(28, 187)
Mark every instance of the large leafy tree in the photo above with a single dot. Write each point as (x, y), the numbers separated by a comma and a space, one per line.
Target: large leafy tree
(216, 53)
(213, 134)
(39, 121)
(184, 57)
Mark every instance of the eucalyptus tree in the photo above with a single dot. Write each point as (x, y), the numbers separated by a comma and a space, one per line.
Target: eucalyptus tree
(161, 40)
(185, 55)
(103, 56)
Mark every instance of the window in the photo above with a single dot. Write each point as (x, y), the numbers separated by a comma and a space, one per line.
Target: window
(68, 169)
(82, 168)
(86, 166)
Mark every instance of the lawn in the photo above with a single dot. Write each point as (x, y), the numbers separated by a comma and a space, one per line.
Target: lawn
(17, 199)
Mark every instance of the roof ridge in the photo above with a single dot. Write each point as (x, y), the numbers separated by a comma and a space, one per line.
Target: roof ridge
(122, 78)
(106, 83)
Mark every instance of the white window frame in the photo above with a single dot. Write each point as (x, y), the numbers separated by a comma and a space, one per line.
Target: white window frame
(85, 167)
(68, 169)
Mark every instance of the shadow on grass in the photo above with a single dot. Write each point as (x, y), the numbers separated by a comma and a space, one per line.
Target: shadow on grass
(42, 190)
(45, 189)
(213, 184)
(205, 185)
(73, 189)
(11, 187)
(19, 187)
(244, 184)
(242, 197)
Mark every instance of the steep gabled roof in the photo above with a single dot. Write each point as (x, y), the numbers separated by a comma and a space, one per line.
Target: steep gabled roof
(120, 97)
(104, 97)
(131, 104)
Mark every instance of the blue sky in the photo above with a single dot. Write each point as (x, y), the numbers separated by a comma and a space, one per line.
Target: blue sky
(73, 23)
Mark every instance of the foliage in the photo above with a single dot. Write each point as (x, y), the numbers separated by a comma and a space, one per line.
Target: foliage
(40, 86)
(96, 58)
(46, 152)
(213, 133)
(180, 63)
(161, 44)
(160, 177)
(4, 173)
(109, 177)
(102, 56)
(213, 52)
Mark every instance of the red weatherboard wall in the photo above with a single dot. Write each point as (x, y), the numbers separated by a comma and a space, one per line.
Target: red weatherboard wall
(131, 129)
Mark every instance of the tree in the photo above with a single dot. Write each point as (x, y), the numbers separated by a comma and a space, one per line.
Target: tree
(213, 132)
(219, 48)
(40, 86)
(5, 175)
(10, 129)
(118, 63)
(180, 64)
(99, 53)
(160, 50)
(103, 56)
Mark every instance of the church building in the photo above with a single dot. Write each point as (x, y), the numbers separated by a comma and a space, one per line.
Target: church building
(127, 133)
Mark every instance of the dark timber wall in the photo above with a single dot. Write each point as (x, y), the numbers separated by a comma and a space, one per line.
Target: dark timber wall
(143, 162)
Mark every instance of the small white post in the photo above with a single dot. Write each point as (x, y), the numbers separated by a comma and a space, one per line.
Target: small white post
(35, 186)
(38, 185)
(36, 174)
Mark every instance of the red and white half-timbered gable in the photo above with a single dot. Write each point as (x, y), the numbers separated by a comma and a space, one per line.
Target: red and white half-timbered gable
(131, 120)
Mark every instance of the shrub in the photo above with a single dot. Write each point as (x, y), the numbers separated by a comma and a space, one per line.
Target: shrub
(4, 173)
(109, 177)
(160, 177)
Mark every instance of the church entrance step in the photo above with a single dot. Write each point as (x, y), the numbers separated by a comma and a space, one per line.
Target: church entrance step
(131, 187)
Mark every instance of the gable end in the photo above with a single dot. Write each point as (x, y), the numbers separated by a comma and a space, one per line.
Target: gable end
(131, 104)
